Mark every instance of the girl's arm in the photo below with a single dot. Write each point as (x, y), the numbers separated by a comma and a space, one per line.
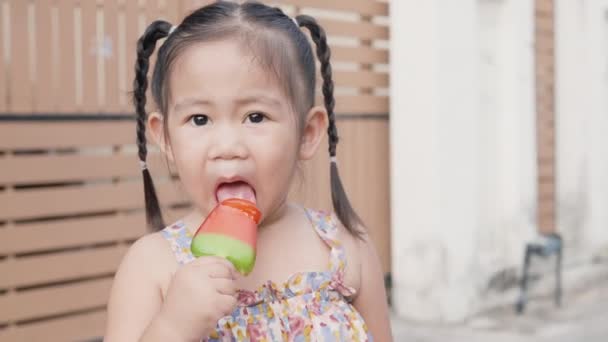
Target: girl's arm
(136, 296)
(371, 300)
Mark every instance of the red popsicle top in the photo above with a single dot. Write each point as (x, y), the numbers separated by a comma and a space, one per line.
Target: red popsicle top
(234, 217)
(246, 207)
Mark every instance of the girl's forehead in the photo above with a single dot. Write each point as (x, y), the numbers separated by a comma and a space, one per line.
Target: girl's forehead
(220, 63)
(222, 71)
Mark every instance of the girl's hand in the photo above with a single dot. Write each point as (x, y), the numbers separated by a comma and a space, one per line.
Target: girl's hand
(201, 292)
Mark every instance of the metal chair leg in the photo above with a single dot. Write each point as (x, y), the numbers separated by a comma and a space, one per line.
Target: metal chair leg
(553, 245)
(521, 302)
(558, 278)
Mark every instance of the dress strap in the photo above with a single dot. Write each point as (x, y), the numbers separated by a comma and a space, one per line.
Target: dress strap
(180, 239)
(326, 225)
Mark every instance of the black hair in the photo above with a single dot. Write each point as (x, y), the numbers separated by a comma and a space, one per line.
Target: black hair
(280, 47)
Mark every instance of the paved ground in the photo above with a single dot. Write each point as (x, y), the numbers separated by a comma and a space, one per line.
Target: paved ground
(582, 317)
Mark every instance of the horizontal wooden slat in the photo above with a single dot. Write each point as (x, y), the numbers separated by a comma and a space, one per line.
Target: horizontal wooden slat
(36, 169)
(361, 30)
(359, 54)
(32, 135)
(33, 203)
(34, 237)
(360, 104)
(58, 168)
(55, 300)
(368, 79)
(71, 233)
(60, 266)
(73, 328)
(368, 7)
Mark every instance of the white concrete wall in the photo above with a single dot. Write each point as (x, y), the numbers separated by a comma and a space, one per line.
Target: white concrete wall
(582, 124)
(462, 149)
(507, 147)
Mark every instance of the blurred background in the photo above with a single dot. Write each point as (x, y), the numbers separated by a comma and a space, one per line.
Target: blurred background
(472, 145)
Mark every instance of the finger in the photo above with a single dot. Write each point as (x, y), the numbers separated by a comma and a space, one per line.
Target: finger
(206, 260)
(215, 271)
(225, 286)
(211, 260)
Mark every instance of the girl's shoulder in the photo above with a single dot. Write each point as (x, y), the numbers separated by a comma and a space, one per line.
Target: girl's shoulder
(142, 276)
(152, 258)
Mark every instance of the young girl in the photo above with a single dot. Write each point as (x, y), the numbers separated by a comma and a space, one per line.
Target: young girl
(235, 85)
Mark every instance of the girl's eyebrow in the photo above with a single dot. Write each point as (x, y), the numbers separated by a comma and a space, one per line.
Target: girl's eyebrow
(190, 102)
(240, 101)
(258, 98)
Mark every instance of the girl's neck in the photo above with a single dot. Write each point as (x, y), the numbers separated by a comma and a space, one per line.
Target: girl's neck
(194, 219)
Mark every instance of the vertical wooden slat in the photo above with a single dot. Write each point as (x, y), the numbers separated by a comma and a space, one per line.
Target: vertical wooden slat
(151, 14)
(110, 56)
(20, 83)
(190, 5)
(172, 11)
(366, 66)
(151, 10)
(545, 113)
(123, 64)
(163, 10)
(132, 35)
(182, 8)
(3, 69)
(89, 54)
(66, 57)
(45, 96)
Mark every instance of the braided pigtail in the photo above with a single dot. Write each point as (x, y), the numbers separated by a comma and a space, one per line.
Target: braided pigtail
(342, 205)
(145, 47)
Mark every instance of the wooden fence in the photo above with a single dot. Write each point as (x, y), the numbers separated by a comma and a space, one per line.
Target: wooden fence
(70, 188)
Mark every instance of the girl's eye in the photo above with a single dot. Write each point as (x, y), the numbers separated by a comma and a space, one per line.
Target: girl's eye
(199, 119)
(256, 117)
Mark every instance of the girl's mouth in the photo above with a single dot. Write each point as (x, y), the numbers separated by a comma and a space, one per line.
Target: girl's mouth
(235, 189)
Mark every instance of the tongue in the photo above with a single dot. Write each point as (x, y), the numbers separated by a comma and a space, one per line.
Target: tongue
(240, 190)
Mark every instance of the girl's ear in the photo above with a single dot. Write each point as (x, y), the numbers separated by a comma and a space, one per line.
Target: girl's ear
(156, 127)
(315, 128)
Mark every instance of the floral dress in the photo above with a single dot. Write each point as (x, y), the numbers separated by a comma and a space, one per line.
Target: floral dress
(309, 306)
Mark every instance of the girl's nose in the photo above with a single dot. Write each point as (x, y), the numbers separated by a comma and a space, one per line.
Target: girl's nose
(227, 144)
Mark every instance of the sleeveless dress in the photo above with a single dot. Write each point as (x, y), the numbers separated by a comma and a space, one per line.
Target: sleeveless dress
(309, 306)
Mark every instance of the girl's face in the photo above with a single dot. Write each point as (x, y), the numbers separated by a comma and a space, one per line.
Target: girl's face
(229, 121)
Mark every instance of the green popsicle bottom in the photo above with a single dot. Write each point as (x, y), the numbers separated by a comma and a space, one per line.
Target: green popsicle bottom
(240, 254)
